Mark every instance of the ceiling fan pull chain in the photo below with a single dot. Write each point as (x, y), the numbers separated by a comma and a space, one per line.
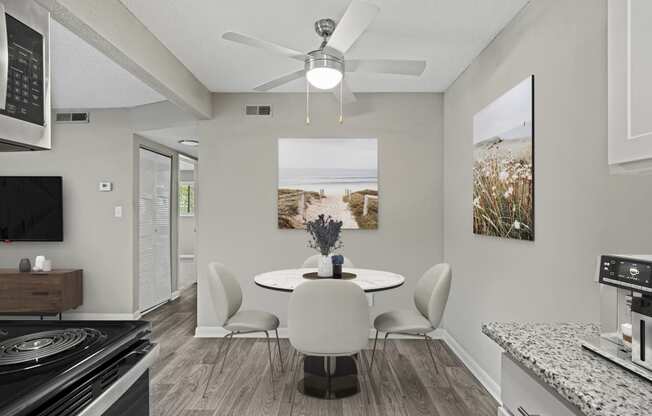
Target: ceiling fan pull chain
(341, 116)
(307, 102)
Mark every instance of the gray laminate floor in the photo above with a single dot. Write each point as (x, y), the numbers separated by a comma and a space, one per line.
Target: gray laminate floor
(405, 385)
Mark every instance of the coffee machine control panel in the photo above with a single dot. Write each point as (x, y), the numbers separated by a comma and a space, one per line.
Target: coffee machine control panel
(634, 273)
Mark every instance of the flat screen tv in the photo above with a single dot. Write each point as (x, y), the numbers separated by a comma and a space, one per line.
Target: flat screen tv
(31, 208)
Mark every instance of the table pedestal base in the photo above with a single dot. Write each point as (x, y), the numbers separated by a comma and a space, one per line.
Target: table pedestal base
(329, 378)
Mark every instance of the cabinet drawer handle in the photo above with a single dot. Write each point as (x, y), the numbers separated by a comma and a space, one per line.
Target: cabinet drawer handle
(40, 293)
(524, 412)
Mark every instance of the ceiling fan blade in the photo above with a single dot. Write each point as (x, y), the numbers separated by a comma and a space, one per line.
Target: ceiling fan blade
(348, 97)
(280, 81)
(263, 44)
(356, 19)
(386, 66)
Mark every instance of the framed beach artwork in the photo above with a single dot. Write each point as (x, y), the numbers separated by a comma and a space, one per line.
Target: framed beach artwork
(503, 165)
(334, 177)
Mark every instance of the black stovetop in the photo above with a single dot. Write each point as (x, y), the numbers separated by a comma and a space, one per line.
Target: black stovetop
(92, 343)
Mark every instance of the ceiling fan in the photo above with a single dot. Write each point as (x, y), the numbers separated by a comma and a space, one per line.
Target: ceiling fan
(324, 68)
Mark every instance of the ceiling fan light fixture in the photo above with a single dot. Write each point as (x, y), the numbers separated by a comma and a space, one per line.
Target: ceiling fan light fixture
(324, 78)
(324, 71)
(189, 142)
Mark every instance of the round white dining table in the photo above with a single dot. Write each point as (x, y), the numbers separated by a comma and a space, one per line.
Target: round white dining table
(337, 377)
(368, 280)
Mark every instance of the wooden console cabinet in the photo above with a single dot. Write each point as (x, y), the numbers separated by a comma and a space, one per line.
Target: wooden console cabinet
(40, 293)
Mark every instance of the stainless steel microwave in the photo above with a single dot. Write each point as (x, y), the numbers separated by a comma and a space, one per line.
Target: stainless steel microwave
(24, 76)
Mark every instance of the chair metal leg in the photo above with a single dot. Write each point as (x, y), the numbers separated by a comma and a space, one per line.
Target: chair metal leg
(219, 353)
(427, 340)
(385, 344)
(210, 376)
(208, 382)
(226, 352)
(373, 352)
(269, 350)
(278, 344)
(271, 365)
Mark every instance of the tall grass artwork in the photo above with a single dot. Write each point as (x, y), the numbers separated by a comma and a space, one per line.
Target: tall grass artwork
(337, 178)
(503, 165)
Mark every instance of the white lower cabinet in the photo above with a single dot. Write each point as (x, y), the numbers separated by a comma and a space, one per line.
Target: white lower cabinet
(523, 395)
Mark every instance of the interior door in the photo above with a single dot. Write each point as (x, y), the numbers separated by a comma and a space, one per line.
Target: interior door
(155, 274)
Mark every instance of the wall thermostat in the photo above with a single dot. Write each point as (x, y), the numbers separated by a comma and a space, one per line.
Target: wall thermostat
(106, 187)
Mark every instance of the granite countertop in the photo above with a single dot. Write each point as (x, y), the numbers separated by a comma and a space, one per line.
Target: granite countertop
(553, 353)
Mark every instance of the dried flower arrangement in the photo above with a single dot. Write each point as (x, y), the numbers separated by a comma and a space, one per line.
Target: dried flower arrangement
(325, 233)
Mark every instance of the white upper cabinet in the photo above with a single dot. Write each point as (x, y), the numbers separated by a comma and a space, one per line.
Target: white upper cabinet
(630, 86)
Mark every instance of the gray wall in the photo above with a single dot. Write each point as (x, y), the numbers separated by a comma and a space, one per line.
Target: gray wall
(237, 207)
(94, 240)
(581, 211)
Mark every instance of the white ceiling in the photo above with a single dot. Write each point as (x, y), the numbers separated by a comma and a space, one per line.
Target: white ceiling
(449, 34)
(170, 137)
(82, 77)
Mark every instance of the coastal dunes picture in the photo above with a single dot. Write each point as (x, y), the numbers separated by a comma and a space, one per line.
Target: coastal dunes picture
(334, 177)
(503, 165)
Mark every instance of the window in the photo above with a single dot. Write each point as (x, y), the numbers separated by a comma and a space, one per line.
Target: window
(186, 199)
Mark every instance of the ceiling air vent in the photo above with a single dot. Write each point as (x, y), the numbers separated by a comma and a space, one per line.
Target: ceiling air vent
(258, 110)
(73, 117)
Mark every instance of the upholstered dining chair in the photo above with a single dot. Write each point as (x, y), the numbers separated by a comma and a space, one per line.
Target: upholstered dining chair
(329, 318)
(313, 262)
(226, 295)
(430, 297)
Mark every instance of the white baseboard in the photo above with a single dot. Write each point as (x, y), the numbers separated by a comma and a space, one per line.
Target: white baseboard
(483, 377)
(219, 332)
(176, 294)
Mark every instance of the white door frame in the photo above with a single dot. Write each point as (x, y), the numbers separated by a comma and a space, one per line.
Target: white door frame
(142, 143)
(195, 162)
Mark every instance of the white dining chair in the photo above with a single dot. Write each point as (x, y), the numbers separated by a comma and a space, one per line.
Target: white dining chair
(313, 262)
(430, 297)
(226, 295)
(328, 318)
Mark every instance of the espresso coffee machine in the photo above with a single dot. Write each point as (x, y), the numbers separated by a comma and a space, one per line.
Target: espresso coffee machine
(625, 312)
(642, 331)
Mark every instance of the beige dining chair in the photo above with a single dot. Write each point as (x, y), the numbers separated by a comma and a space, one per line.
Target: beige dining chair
(226, 295)
(328, 318)
(430, 297)
(313, 262)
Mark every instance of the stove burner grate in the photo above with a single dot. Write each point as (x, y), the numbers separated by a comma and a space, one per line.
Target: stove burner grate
(39, 345)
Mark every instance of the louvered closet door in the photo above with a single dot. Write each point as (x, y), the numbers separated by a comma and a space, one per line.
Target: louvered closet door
(155, 281)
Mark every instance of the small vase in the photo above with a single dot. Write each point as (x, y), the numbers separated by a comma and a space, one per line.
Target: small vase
(25, 266)
(325, 267)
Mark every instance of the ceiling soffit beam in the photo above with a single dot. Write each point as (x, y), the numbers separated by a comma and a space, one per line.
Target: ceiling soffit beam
(111, 28)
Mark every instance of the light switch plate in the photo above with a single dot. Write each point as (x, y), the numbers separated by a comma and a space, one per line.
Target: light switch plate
(105, 186)
(117, 212)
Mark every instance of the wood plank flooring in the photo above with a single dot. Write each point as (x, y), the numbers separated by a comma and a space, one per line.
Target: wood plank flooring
(184, 381)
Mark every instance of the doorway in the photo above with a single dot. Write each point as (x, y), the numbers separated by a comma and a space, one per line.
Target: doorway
(187, 222)
(154, 229)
